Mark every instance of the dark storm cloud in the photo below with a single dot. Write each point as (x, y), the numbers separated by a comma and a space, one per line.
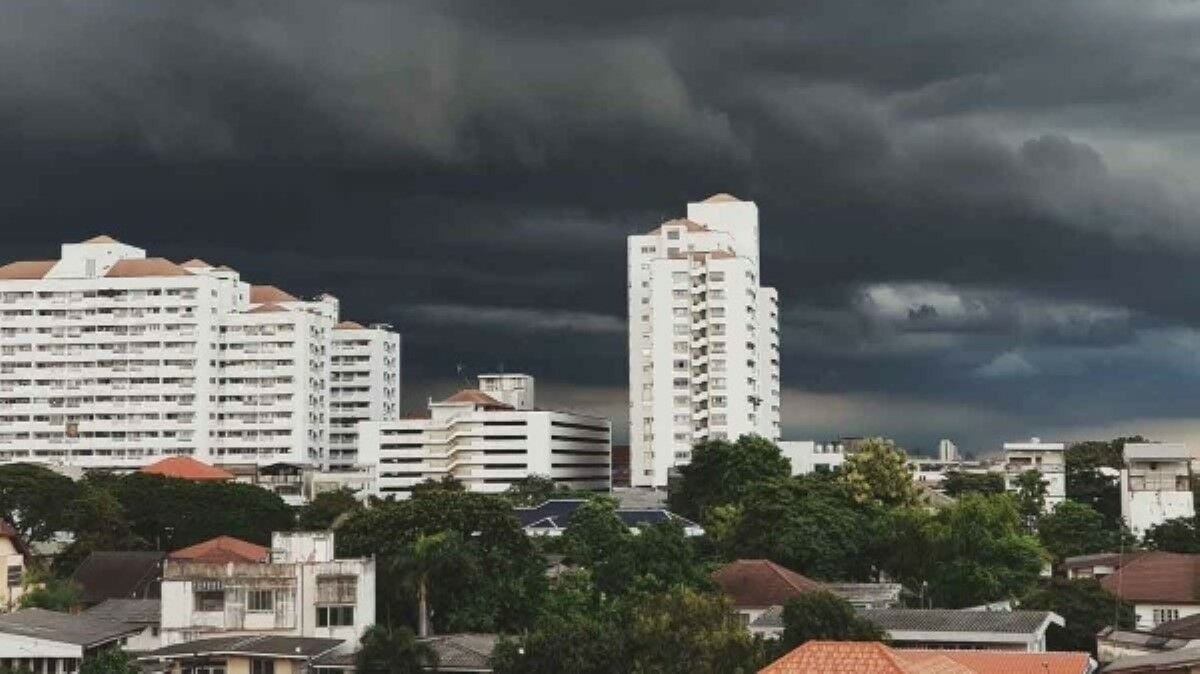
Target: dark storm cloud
(973, 210)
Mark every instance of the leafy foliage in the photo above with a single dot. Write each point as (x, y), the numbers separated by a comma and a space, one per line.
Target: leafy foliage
(879, 474)
(325, 508)
(53, 594)
(1088, 485)
(957, 483)
(393, 650)
(1084, 605)
(33, 497)
(1076, 529)
(111, 660)
(1031, 498)
(824, 616)
(722, 473)
(1175, 535)
(683, 631)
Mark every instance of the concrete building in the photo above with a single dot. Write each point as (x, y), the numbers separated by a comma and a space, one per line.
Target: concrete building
(947, 451)
(1048, 458)
(1156, 484)
(303, 591)
(514, 390)
(488, 444)
(365, 386)
(808, 456)
(703, 337)
(110, 359)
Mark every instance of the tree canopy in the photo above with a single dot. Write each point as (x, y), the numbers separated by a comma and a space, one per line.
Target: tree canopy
(393, 650)
(721, 473)
(879, 474)
(1076, 529)
(1086, 607)
(1175, 535)
(1087, 483)
(824, 616)
(956, 483)
(325, 508)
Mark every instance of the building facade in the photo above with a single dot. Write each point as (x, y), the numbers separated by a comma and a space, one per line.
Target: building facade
(703, 337)
(488, 444)
(365, 386)
(1156, 484)
(1048, 458)
(808, 456)
(111, 359)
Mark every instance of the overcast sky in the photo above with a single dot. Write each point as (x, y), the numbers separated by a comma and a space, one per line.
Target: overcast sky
(981, 216)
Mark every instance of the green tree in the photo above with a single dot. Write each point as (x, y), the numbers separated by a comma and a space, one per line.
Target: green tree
(1180, 534)
(721, 473)
(810, 524)
(980, 553)
(1086, 607)
(99, 523)
(1076, 529)
(1031, 498)
(878, 473)
(824, 616)
(110, 660)
(33, 498)
(683, 631)
(325, 508)
(447, 483)
(53, 594)
(1085, 479)
(957, 483)
(900, 542)
(393, 650)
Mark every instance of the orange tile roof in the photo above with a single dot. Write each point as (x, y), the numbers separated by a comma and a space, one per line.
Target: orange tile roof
(682, 222)
(195, 263)
(348, 325)
(1159, 577)
(470, 395)
(848, 657)
(264, 294)
(720, 198)
(266, 309)
(103, 238)
(761, 583)
(223, 549)
(839, 657)
(27, 269)
(186, 468)
(999, 662)
(151, 266)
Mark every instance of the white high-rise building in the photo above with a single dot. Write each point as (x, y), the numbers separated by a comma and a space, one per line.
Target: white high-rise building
(1156, 484)
(110, 359)
(365, 386)
(703, 337)
(488, 444)
(947, 451)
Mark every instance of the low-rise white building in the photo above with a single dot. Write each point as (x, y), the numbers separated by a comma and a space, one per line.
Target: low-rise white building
(1156, 484)
(303, 591)
(1048, 458)
(808, 456)
(488, 444)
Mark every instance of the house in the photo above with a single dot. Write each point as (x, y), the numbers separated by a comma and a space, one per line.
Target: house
(222, 549)
(1156, 484)
(850, 657)
(143, 615)
(50, 642)
(550, 518)
(187, 468)
(14, 555)
(119, 575)
(301, 591)
(455, 653)
(1185, 661)
(1162, 586)
(965, 629)
(252, 654)
(1098, 565)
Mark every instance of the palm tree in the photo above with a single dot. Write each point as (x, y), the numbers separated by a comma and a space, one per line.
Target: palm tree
(394, 650)
(428, 555)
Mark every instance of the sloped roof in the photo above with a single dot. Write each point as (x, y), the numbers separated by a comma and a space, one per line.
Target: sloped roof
(1158, 577)
(463, 652)
(1184, 628)
(103, 238)
(848, 657)
(151, 266)
(119, 575)
(873, 593)
(956, 620)
(70, 628)
(26, 269)
(195, 263)
(264, 294)
(761, 583)
(266, 309)
(277, 646)
(186, 468)
(839, 657)
(349, 325)
(477, 397)
(996, 662)
(681, 222)
(720, 198)
(222, 549)
(1171, 661)
(128, 611)
(556, 514)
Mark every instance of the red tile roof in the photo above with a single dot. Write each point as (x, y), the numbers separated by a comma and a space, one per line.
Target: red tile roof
(470, 395)
(760, 583)
(1159, 577)
(266, 309)
(720, 198)
(186, 468)
(151, 266)
(265, 294)
(27, 269)
(222, 549)
(846, 657)
(103, 238)
(195, 263)
(348, 325)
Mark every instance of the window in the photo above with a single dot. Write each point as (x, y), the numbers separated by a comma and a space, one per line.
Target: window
(673, 234)
(260, 600)
(337, 589)
(679, 277)
(210, 600)
(1162, 615)
(262, 666)
(335, 616)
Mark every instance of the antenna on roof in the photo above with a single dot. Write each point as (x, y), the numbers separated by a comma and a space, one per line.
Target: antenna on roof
(461, 370)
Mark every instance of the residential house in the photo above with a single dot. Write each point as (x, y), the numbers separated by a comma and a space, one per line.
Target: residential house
(1098, 565)
(550, 518)
(119, 575)
(49, 642)
(13, 556)
(246, 654)
(1162, 586)
(848, 657)
(302, 591)
(141, 614)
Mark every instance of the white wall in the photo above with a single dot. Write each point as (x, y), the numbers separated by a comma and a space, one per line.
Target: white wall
(1145, 613)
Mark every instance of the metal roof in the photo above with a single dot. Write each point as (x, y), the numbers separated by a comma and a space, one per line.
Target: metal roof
(953, 620)
(555, 513)
(129, 611)
(282, 647)
(79, 628)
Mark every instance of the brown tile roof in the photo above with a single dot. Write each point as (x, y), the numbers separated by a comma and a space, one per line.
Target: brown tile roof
(349, 325)
(27, 269)
(761, 582)
(266, 309)
(848, 657)
(720, 198)
(1159, 577)
(264, 294)
(151, 266)
(103, 238)
(186, 468)
(998, 662)
(119, 575)
(222, 549)
(195, 263)
(682, 222)
(839, 657)
(470, 395)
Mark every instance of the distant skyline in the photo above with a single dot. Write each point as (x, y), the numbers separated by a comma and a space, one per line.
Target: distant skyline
(981, 217)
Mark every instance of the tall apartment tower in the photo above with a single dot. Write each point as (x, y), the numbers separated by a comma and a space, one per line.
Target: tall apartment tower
(703, 337)
(365, 386)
